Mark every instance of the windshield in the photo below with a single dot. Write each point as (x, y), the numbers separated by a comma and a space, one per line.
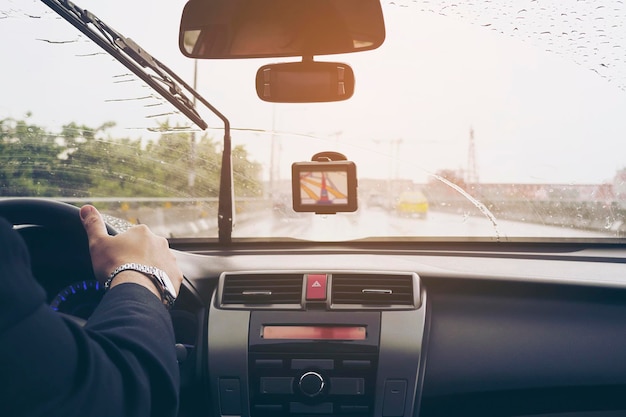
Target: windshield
(470, 121)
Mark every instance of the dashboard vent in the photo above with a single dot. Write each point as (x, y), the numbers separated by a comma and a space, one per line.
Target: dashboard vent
(262, 289)
(373, 289)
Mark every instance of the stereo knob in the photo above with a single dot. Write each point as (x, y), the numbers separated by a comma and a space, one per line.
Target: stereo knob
(311, 384)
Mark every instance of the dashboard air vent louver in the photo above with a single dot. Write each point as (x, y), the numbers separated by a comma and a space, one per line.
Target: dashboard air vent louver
(262, 289)
(373, 290)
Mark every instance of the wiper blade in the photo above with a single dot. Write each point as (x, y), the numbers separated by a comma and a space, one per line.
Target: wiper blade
(165, 82)
(132, 56)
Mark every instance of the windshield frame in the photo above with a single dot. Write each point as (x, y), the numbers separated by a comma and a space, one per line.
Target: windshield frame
(226, 217)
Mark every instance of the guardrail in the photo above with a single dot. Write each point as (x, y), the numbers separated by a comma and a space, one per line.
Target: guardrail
(596, 216)
(170, 216)
(197, 216)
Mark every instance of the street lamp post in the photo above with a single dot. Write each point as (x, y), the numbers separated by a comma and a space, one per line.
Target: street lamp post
(192, 150)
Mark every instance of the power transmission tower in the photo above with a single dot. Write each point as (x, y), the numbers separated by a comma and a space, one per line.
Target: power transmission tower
(471, 175)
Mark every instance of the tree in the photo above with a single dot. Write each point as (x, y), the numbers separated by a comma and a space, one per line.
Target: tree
(81, 161)
(28, 159)
(246, 174)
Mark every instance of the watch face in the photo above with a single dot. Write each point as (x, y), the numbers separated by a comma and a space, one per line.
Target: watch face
(167, 283)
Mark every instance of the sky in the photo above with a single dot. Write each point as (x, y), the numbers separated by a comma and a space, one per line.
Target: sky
(544, 107)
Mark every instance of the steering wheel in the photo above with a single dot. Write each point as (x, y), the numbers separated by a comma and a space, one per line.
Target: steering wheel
(59, 217)
(44, 212)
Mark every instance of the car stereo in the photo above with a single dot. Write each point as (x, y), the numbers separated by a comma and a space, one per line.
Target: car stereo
(312, 363)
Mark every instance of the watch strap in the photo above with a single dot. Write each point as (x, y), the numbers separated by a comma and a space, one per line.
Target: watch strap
(158, 276)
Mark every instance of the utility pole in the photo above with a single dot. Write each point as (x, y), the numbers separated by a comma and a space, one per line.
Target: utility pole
(394, 153)
(471, 175)
(192, 150)
(274, 163)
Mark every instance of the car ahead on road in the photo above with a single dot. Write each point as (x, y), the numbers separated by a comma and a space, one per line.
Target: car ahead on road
(190, 117)
(377, 200)
(412, 204)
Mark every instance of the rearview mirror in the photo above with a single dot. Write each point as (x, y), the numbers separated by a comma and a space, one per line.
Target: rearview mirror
(213, 29)
(305, 82)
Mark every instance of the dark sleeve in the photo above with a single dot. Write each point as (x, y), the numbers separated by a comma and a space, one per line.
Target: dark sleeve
(122, 363)
(20, 294)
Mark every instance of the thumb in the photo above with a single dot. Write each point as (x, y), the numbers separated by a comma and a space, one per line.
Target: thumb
(93, 223)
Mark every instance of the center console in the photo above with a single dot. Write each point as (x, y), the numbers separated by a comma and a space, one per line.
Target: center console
(315, 359)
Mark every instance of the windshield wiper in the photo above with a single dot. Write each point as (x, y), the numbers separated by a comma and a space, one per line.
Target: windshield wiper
(164, 81)
(135, 58)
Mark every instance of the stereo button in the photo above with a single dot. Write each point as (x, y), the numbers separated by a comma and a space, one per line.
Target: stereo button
(354, 409)
(311, 384)
(276, 385)
(269, 363)
(300, 408)
(347, 386)
(326, 364)
(268, 408)
(356, 363)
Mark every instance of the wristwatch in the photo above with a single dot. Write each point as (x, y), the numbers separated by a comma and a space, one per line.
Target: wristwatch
(158, 277)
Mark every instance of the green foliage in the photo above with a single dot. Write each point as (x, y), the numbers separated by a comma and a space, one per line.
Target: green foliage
(28, 160)
(246, 173)
(81, 161)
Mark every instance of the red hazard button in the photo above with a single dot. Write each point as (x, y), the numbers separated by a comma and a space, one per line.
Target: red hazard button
(316, 287)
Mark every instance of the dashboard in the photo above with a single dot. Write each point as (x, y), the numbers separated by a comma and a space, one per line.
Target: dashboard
(391, 330)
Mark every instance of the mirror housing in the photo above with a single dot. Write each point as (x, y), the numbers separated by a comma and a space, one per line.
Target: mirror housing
(214, 29)
(305, 82)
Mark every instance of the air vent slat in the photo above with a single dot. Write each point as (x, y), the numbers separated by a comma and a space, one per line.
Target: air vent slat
(262, 289)
(372, 289)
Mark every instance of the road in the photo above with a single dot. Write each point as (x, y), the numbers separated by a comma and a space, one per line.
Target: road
(377, 222)
(261, 221)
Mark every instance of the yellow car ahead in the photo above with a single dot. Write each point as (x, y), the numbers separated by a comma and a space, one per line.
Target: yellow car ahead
(412, 203)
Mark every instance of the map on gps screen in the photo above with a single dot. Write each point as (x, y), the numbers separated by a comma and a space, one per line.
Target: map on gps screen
(324, 187)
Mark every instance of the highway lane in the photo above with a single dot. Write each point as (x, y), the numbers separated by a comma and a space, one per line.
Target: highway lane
(366, 222)
(372, 222)
(257, 219)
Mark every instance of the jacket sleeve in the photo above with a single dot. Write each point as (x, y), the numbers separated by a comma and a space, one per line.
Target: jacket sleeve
(122, 363)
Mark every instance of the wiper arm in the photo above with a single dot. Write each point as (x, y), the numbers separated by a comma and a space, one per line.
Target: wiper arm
(132, 56)
(166, 83)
